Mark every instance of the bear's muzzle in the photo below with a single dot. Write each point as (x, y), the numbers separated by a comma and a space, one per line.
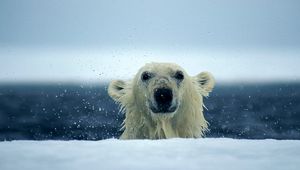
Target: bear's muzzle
(163, 101)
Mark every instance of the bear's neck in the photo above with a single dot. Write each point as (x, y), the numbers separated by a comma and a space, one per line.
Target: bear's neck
(163, 128)
(185, 125)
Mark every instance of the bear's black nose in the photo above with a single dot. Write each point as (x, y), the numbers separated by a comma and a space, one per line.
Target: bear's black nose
(163, 98)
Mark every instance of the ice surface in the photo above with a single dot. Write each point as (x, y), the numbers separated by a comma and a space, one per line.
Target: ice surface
(209, 153)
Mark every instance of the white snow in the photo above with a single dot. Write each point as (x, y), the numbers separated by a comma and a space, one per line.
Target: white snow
(209, 153)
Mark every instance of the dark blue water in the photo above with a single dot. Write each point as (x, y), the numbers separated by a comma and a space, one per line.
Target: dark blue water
(65, 112)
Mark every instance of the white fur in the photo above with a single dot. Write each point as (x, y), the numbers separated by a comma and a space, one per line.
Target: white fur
(140, 123)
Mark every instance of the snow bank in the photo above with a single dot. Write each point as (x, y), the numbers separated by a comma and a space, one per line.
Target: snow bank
(172, 154)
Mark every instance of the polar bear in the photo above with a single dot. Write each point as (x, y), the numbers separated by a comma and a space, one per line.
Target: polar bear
(162, 101)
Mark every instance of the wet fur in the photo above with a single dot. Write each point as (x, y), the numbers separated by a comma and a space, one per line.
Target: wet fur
(140, 123)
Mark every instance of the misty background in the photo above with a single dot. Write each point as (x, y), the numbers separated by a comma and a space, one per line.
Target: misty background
(57, 57)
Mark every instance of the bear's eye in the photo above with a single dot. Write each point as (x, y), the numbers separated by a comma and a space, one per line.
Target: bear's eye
(146, 76)
(179, 75)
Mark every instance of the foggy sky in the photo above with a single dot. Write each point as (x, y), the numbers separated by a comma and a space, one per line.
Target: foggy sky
(66, 40)
(155, 23)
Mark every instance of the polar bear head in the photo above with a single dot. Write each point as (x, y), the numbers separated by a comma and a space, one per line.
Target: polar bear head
(161, 91)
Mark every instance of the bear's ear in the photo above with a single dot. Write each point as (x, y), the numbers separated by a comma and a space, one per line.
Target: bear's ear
(206, 82)
(116, 89)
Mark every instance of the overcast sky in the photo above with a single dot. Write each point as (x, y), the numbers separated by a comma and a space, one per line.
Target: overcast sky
(81, 40)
